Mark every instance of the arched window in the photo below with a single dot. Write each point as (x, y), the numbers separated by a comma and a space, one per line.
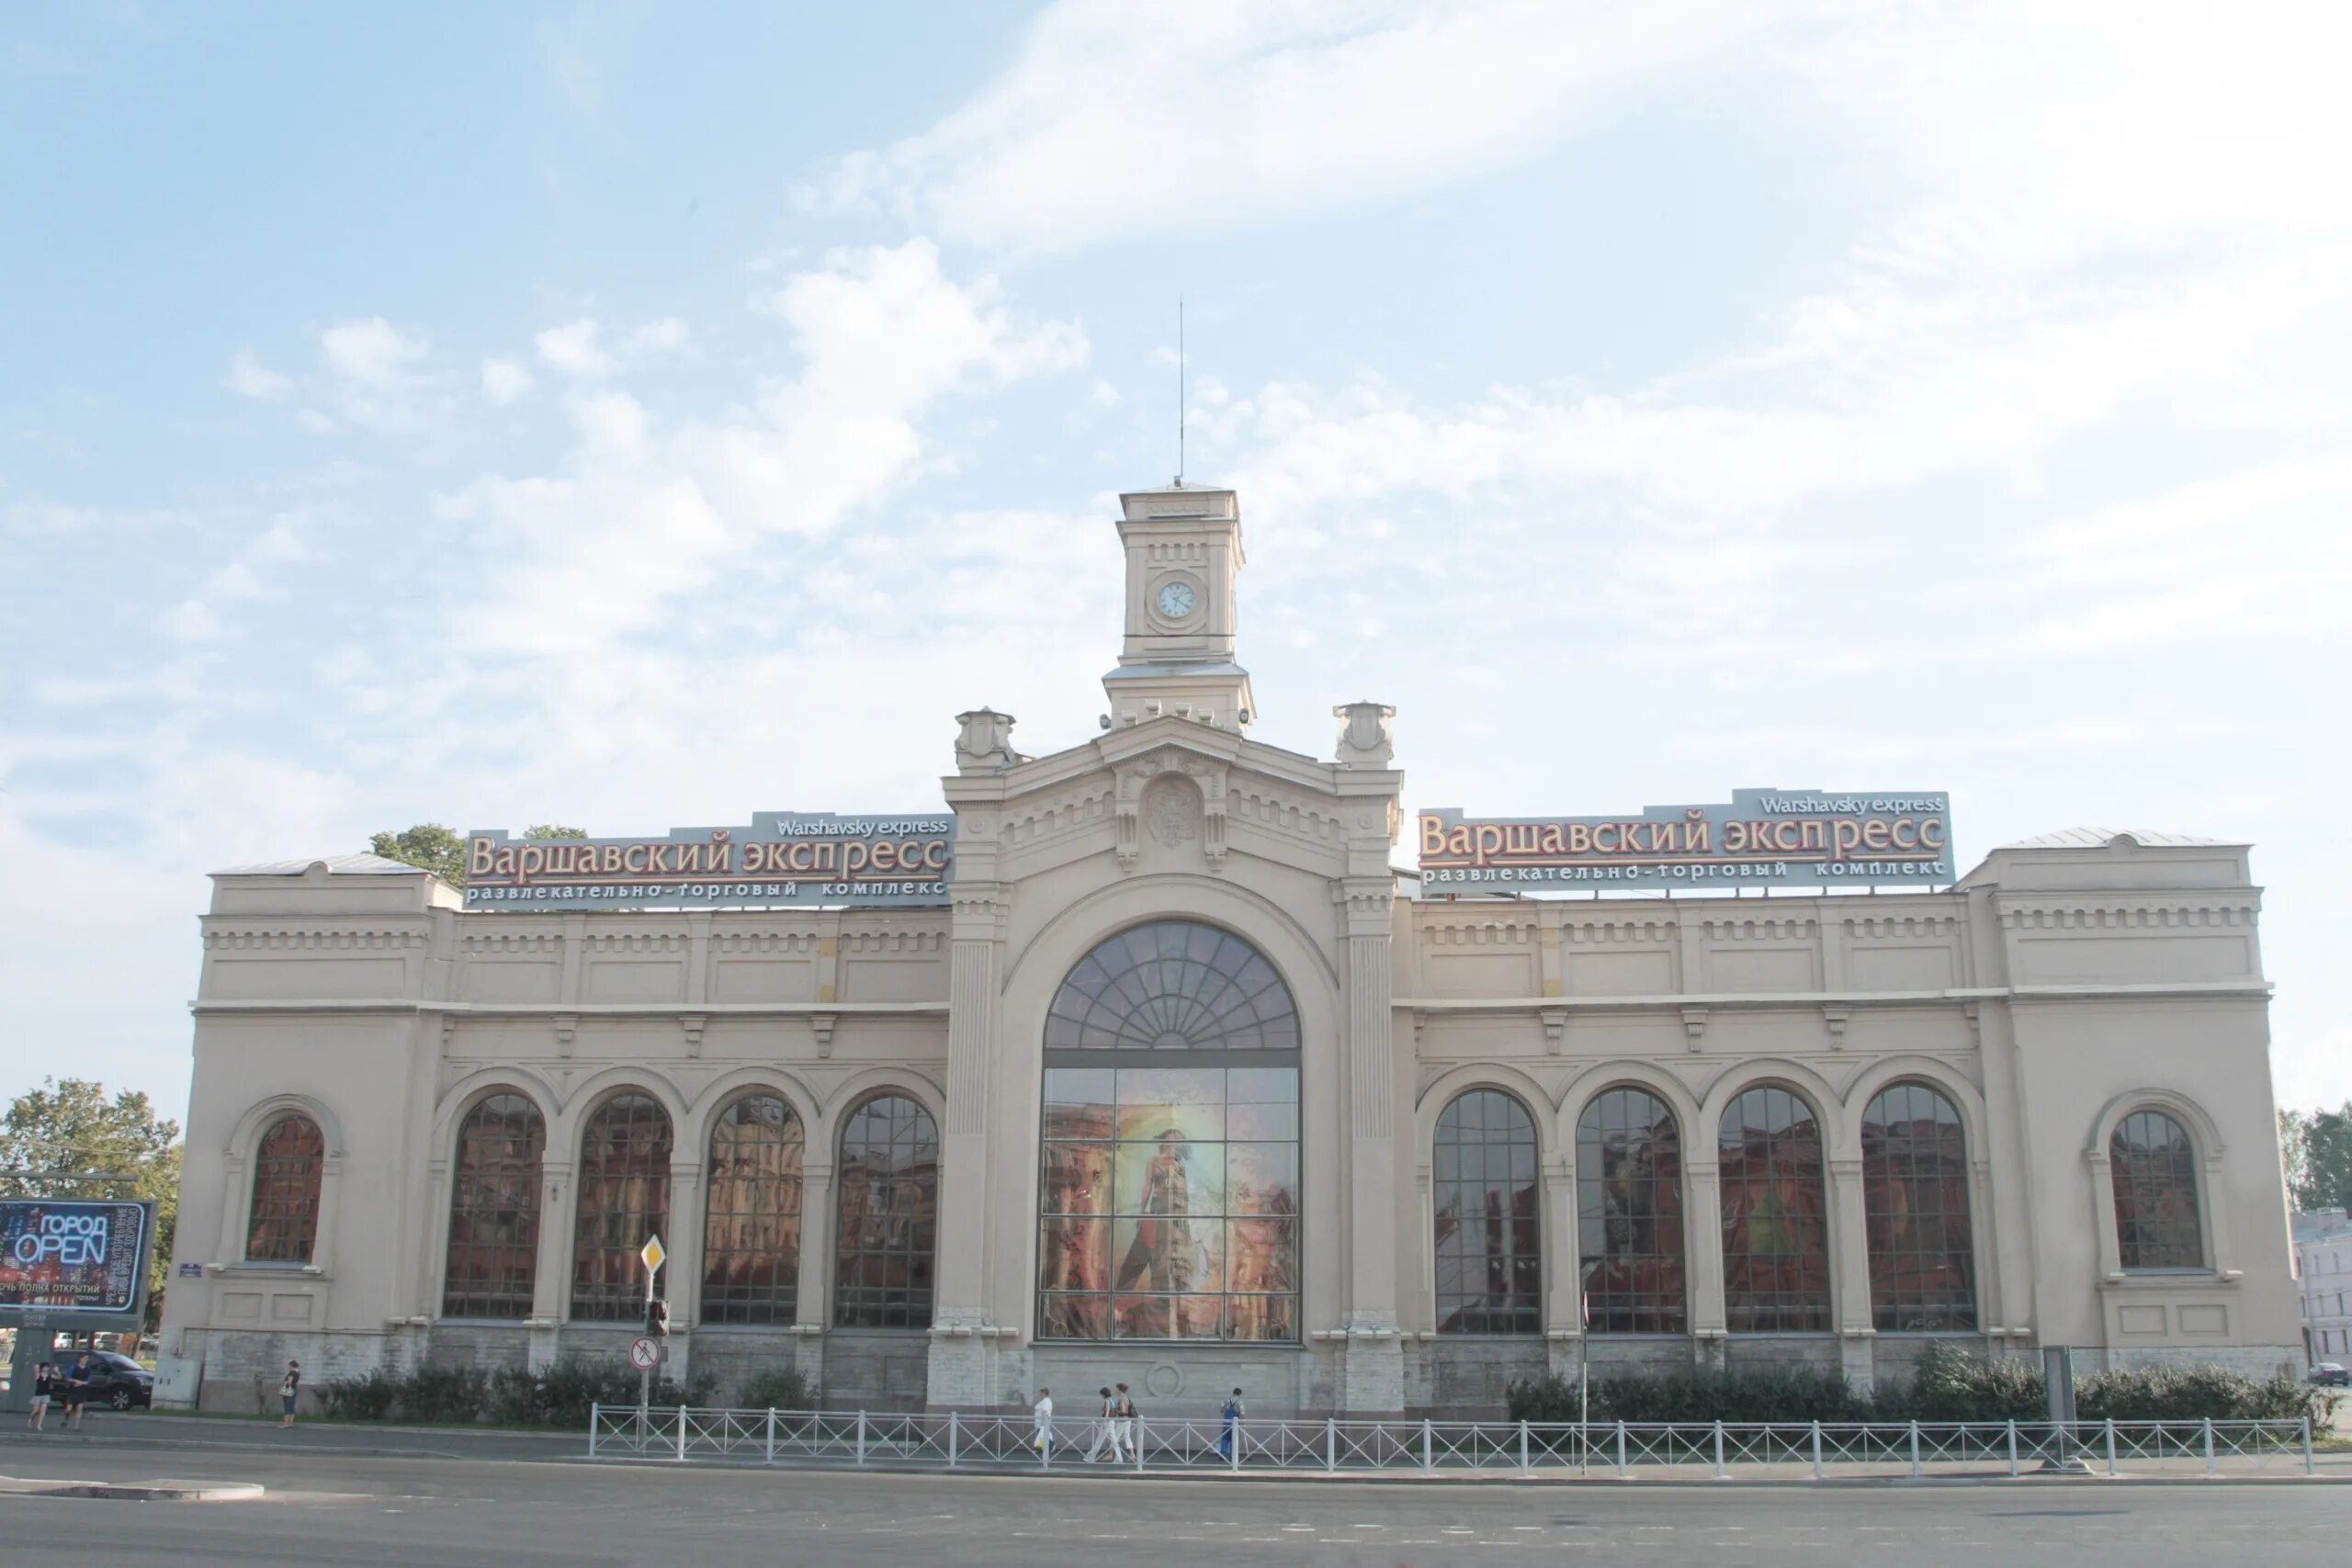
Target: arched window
(494, 1210)
(890, 1217)
(1489, 1252)
(2154, 1168)
(282, 1226)
(1629, 1214)
(1915, 1202)
(751, 1253)
(1776, 1222)
(624, 1199)
(1168, 1199)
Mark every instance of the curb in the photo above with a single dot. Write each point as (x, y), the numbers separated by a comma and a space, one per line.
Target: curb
(158, 1492)
(1407, 1477)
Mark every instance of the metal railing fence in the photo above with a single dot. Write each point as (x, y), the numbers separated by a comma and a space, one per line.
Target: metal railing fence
(1624, 1450)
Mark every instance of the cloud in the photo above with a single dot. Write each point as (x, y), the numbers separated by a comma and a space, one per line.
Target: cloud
(641, 513)
(372, 352)
(248, 378)
(504, 380)
(1118, 121)
(571, 348)
(659, 336)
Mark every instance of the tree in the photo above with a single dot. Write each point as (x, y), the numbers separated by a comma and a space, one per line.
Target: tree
(2318, 1149)
(428, 846)
(431, 847)
(67, 1139)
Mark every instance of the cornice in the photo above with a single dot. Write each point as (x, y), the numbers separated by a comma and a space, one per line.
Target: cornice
(1787, 1000)
(393, 1006)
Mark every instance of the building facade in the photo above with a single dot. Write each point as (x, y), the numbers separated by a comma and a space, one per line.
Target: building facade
(2323, 1270)
(1187, 1085)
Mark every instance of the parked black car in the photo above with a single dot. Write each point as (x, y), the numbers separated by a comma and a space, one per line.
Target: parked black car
(114, 1379)
(2328, 1374)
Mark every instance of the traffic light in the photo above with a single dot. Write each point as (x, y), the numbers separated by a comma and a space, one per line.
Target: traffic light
(657, 1318)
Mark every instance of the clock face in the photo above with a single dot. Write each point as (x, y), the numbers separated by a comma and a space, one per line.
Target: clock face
(1175, 600)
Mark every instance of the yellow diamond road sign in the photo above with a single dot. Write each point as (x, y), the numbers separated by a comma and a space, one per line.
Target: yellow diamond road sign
(652, 1254)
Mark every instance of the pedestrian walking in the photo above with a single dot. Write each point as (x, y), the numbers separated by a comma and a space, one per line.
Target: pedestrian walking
(44, 1387)
(1106, 1430)
(1232, 1411)
(80, 1379)
(1123, 1412)
(286, 1391)
(1043, 1414)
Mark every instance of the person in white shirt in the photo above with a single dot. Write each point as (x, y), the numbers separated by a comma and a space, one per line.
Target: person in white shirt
(1043, 1413)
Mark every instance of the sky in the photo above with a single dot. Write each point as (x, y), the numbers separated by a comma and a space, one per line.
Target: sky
(635, 415)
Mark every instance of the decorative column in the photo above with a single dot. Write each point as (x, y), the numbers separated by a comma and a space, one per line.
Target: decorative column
(813, 1282)
(1850, 1272)
(551, 1289)
(682, 1239)
(962, 1338)
(1371, 1381)
(1703, 1235)
(1567, 1340)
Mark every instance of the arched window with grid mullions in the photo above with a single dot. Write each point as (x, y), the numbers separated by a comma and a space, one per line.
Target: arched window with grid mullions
(1168, 1197)
(1488, 1241)
(493, 1258)
(750, 1250)
(2153, 1165)
(1914, 1205)
(888, 1223)
(1775, 1215)
(289, 1163)
(624, 1199)
(1629, 1214)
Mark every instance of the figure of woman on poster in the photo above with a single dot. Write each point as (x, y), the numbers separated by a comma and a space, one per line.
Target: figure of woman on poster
(1161, 1255)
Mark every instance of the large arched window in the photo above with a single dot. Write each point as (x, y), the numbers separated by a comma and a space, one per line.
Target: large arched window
(2155, 1167)
(1629, 1214)
(1776, 1219)
(1915, 1201)
(494, 1210)
(282, 1225)
(1489, 1252)
(624, 1199)
(750, 1250)
(889, 1226)
(1168, 1197)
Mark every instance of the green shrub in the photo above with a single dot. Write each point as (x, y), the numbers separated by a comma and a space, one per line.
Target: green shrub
(1751, 1395)
(443, 1393)
(778, 1388)
(1948, 1384)
(2190, 1393)
(367, 1397)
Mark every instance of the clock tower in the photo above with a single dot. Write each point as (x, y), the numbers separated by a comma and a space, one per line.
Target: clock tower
(1183, 548)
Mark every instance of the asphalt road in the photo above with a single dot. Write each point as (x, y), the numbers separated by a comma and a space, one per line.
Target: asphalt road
(346, 1508)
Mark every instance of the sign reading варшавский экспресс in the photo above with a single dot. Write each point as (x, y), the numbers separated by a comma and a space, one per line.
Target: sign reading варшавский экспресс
(803, 858)
(1796, 838)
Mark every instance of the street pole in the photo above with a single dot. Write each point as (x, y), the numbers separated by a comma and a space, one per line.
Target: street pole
(645, 1374)
(1584, 1380)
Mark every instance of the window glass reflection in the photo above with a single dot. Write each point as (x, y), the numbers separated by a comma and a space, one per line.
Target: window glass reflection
(1152, 1226)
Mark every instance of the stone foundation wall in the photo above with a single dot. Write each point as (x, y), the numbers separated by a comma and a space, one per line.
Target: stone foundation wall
(1748, 1352)
(876, 1370)
(2253, 1360)
(734, 1356)
(238, 1372)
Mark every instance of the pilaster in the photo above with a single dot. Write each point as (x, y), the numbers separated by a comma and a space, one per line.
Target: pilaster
(1704, 1237)
(1374, 1377)
(1850, 1272)
(962, 1335)
(551, 1289)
